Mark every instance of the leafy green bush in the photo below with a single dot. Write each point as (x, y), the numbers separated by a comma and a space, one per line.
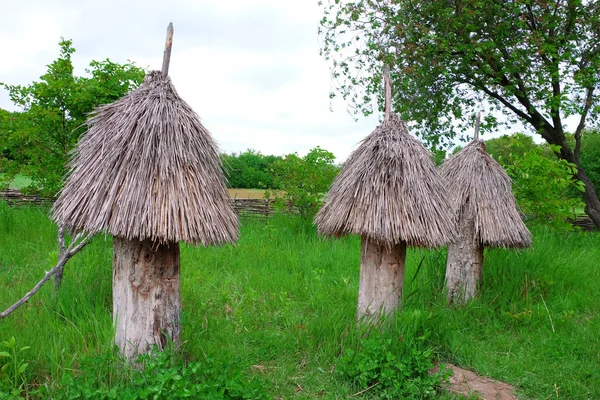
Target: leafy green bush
(249, 170)
(304, 181)
(543, 188)
(163, 376)
(395, 363)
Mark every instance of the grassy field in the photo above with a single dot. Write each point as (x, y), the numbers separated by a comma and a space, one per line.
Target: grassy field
(276, 312)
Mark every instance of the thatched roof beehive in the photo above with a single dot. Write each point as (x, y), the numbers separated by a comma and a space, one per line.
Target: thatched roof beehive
(389, 191)
(148, 169)
(477, 181)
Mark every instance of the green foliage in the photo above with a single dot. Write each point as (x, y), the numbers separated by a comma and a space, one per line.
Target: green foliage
(37, 141)
(12, 367)
(507, 149)
(394, 365)
(163, 376)
(590, 155)
(542, 188)
(545, 187)
(532, 61)
(446, 58)
(304, 181)
(250, 170)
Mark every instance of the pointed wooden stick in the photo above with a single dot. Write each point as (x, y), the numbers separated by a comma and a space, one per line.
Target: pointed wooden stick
(477, 122)
(388, 92)
(167, 54)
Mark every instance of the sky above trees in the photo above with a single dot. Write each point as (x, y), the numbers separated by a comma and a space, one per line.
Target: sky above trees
(251, 70)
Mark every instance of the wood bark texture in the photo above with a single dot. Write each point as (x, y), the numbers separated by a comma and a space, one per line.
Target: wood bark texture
(465, 258)
(167, 53)
(381, 279)
(146, 303)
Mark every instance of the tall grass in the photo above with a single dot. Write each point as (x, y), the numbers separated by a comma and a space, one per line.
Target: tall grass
(281, 305)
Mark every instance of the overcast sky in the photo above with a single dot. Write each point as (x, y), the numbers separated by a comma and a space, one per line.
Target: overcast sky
(250, 69)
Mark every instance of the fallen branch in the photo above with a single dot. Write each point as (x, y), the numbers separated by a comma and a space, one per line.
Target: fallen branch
(64, 256)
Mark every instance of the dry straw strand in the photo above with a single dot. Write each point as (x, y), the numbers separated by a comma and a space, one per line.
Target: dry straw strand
(148, 169)
(479, 186)
(389, 191)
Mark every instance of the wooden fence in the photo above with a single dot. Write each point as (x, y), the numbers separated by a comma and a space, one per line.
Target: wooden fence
(252, 207)
(244, 207)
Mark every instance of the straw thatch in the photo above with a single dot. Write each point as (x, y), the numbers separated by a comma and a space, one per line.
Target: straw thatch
(479, 186)
(148, 169)
(389, 191)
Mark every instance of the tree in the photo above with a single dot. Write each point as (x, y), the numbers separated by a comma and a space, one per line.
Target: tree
(249, 170)
(533, 60)
(55, 109)
(590, 155)
(507, 149)
(303, 181)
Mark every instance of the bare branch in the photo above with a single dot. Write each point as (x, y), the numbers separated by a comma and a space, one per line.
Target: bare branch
(73, 249)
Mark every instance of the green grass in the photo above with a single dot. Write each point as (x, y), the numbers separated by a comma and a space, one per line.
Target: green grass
(280, 307)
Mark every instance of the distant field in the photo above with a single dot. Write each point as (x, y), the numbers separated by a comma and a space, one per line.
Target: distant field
(246, 193)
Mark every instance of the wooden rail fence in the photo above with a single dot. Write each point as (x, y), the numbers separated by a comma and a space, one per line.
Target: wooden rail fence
(253, 207)
(243, 207)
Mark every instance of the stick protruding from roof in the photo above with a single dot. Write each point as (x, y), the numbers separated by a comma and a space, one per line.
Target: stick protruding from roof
(477, 123)
(167, 53)
(388, 92)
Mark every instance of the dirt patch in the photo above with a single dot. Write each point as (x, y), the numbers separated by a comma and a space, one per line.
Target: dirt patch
(468, 383)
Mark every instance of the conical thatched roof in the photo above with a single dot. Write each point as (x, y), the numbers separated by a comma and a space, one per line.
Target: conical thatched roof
(478, 182)
(389, 191)
(148, 169)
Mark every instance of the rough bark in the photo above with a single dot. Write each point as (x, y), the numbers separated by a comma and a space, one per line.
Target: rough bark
(463, 266)
(590, 196)
(146, 302)
(381, 279)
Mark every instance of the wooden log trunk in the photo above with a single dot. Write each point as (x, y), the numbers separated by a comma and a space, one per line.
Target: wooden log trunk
(381, 279)
(146, 302)
(465, 258)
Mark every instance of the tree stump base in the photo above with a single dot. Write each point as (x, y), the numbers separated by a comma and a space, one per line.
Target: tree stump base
(465, 259)
(146, 303)
(381, 279)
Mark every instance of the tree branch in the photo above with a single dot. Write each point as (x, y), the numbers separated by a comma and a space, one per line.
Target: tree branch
(579, 130)
(73, 249)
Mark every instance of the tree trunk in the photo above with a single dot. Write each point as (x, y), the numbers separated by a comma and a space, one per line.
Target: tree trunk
(592, 203)
(465, 258)
(145, 295)
(381, 279)
(590, 196)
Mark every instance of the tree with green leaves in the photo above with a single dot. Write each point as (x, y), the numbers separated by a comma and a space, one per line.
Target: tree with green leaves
(303, 181)
(54, 112)
(249, 170)
(534, 61)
